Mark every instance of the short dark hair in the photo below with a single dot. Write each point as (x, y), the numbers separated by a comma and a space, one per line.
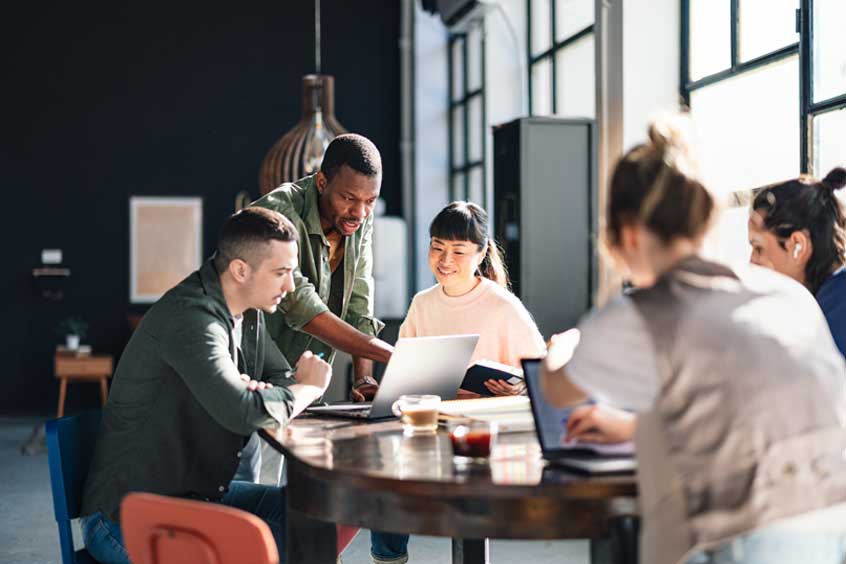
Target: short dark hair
(246, 234)
(355, 151)
(805, 203)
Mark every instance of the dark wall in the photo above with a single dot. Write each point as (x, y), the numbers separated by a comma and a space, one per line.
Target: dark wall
(105, 100)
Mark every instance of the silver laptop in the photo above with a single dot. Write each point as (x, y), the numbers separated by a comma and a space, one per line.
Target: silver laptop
(419, 365)
(551, 427)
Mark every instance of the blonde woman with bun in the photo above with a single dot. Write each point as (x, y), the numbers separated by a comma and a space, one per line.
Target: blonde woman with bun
(728, 382)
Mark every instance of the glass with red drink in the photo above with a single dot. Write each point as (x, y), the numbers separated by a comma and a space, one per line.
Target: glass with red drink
(472, 440)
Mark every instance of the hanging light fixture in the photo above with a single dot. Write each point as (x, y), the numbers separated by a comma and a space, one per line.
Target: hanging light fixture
(300, 151)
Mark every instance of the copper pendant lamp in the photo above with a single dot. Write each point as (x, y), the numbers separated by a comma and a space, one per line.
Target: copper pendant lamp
(300, 151)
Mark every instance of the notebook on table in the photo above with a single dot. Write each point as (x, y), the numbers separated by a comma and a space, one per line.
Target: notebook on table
(419, 365)
(551, 428)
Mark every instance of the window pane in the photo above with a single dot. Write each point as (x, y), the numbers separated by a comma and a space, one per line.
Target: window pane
(766, 26)
(829, 49)
(749, 128)
(575, 90)
(572, 16)
(458, 136)
(830, 143)
(457, 69)
(542, 88)
(477, 188)
(457, 187)
(474, 58)
(475, 129)
(541, 25)
(710, 37)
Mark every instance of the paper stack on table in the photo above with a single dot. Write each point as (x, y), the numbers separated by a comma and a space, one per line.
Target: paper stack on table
(513, 414)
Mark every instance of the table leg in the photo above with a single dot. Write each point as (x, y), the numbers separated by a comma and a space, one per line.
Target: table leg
(470, 551)
(308, 541)
(621, 545)
(104, 391)
(63, 389)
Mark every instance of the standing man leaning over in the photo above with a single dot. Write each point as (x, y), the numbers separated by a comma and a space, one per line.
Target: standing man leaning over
(332, 306)
(198, 376)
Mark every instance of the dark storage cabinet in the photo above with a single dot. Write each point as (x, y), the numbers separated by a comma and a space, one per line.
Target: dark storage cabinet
(545, 215)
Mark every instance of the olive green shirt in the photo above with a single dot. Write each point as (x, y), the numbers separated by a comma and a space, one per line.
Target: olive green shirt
(298, 202)
(178, 412)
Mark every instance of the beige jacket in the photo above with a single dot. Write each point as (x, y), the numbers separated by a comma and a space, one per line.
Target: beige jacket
(750, 422)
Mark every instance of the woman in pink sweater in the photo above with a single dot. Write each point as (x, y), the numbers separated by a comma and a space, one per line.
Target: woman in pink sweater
(472, 294)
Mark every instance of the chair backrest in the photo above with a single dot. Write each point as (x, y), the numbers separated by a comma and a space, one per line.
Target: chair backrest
(70, 446)
(163, 530)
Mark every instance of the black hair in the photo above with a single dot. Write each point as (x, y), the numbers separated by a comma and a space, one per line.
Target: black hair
(466, 221)
(807, 204)
(354, 151)
(246, 234)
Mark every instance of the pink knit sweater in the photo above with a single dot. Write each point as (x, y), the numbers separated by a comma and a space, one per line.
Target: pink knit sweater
(506, 329)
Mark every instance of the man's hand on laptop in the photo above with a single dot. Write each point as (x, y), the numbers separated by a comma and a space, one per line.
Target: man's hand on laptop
(364, 389)
(313, 371)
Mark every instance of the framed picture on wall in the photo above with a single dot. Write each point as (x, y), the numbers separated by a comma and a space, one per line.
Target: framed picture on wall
(165, 244)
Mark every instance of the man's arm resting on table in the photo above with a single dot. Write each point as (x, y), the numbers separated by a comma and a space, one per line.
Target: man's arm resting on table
(340, 335)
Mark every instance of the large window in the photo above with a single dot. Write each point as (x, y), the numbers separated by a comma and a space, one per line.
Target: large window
(467, 134)
(766, 85)
(560, 50)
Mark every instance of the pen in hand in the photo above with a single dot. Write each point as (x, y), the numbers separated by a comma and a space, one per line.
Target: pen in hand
(291, 371)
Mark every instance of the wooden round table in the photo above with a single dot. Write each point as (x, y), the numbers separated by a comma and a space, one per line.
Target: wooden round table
(370, 475)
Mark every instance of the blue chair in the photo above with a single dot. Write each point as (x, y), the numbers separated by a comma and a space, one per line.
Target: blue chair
(70, 446)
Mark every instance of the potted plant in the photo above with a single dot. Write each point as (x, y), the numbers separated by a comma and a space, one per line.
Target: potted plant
(73, 329)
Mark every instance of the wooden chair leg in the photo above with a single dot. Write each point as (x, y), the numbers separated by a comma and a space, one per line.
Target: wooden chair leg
(104, 391)
(63, 388)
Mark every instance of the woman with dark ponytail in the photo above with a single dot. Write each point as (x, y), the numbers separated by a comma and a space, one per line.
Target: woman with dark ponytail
(471, 297)
(798, 228)
(472, 294)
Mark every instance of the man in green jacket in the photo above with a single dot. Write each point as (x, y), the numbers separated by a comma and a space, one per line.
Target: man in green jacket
(199, 376)
(332, 305)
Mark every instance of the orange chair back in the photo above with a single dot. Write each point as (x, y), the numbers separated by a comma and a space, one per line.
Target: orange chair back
(164, 530)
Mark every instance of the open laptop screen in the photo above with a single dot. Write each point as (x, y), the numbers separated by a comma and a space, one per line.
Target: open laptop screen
(550, 421)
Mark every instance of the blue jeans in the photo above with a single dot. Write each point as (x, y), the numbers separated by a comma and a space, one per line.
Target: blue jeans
(775, 545)
(388, 546)
(104, 540)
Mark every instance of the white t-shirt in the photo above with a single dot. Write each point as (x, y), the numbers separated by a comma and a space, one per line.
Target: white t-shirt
(237, 334)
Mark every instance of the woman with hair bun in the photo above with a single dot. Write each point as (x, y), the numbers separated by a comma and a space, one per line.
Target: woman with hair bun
(798, 228)
(728, 382)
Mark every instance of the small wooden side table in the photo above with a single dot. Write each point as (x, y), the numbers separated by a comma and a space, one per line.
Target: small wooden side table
(83, 368)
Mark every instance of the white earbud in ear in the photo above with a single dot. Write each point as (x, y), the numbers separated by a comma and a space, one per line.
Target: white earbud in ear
(796, 250)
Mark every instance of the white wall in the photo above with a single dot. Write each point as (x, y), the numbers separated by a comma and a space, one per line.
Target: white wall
(431, 130)
(651, 54)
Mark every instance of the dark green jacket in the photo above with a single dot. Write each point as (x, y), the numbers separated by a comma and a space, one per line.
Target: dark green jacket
(298, 202)
(178, 412)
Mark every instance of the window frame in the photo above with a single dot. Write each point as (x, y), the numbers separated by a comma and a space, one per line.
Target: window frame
(549, 53)
(807, 110)
(463, 102)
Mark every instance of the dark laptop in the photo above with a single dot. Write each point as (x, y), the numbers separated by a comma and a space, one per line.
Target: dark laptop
(551, 427)
(419, 365)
